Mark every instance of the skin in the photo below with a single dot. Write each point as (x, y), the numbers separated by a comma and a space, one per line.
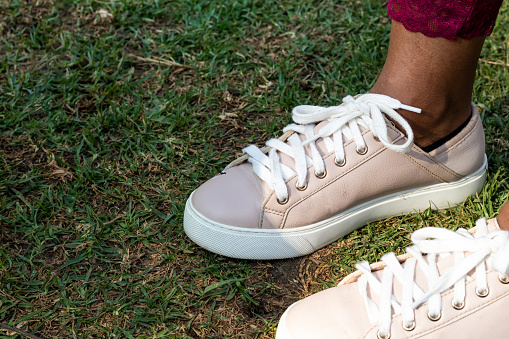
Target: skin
(436, 75)
(503, 217)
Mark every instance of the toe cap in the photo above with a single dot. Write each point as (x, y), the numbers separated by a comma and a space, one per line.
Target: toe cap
(334, 313)
(232, 198)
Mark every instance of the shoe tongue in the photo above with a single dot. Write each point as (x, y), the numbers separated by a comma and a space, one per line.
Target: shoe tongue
(320, 125)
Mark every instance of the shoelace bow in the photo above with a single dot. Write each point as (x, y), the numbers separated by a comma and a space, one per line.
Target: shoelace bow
(343, 121)
(485, 248)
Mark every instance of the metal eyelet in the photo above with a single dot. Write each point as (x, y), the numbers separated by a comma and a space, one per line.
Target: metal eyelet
(282, 202)
(458, 306)
(482, 293)
(377, 139)
(301, 188)
(383, 336)
(321, 175)
(434, 317)
(409, 328)
(362, 151)
(503, 280)
(341, 163)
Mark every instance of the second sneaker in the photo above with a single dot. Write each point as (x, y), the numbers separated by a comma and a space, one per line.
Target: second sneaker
(448, 285)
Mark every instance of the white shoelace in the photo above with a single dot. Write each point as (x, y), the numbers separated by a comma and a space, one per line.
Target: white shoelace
(343, 122)
(485, 248)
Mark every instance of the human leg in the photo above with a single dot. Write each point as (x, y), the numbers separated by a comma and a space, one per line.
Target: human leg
(503, 217)
(434, 74)
(432, 61)
(431, 64)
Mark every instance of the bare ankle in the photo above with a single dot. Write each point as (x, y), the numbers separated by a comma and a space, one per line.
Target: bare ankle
(440, 116)
(503, 217)
(434, 74)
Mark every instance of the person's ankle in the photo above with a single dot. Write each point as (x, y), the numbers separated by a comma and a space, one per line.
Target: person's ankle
(503, 217)
(439, 117)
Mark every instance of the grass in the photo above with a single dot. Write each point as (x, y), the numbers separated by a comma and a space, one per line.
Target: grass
(108, 122)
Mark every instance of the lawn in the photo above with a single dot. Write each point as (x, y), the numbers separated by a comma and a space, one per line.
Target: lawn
(113, 111)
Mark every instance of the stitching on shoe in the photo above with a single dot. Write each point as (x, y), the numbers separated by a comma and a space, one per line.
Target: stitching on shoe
(424, 168)
(382, 149)
(274, 212)
(262, 209)
(269, 211)
(418, 150)
(460, 141)
(269, 197)
(447, 169)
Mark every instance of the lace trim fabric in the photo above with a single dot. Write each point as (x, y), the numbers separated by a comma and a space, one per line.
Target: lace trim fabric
(448, 19)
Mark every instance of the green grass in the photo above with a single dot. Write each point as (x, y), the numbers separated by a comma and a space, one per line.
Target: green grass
(107, 125)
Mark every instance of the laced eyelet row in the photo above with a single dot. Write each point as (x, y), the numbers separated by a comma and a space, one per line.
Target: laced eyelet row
(411, 326)
(360, 151)
(383, 336)
(480, 293)
(322, 175)
(456, 306)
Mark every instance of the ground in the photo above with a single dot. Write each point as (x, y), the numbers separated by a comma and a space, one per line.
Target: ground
(113, 111)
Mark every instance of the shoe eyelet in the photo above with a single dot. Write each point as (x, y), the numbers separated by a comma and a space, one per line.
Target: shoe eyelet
(434, 317)
(282, 202)
(410, 327)
(362, 151)
(341, 163)
(482, 293)
(301, 188)
(377, 139)
(457, 306)
(503, 280)
(383, 336)
(321, 175)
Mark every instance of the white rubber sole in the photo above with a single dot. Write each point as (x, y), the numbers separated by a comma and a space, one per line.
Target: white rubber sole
(264, 244)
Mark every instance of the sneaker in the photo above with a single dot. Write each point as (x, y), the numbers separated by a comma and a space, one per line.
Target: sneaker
(334, 170)
(449, 285)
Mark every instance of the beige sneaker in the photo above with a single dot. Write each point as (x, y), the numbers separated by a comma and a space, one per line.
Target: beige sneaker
(332, 172)
(451, 285)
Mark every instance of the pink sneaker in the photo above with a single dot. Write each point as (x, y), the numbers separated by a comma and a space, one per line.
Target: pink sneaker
(457, 289)
(332, 172)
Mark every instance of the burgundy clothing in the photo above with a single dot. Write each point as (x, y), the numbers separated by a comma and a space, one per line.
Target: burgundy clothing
(448, 19)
